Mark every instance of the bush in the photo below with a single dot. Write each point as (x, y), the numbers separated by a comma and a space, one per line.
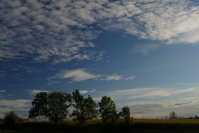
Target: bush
(12, 120)
(1, 120)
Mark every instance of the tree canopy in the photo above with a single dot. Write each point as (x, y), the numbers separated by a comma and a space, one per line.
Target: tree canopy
(108, 110)
(85, 108)
(52, 106)
(12, 120)
(126, 114)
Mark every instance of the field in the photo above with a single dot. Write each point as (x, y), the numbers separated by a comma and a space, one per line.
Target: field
(137, 126)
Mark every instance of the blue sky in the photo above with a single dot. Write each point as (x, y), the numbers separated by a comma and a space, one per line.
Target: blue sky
(142, 53)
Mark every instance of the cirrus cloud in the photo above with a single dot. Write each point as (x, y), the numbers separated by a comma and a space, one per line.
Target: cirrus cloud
(77, 75)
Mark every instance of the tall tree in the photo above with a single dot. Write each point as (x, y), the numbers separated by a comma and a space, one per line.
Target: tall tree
(12, 120)
(108, 110)
(85, 108)
(52, 106)
(39, 105)
(126, 115)
(173, 115)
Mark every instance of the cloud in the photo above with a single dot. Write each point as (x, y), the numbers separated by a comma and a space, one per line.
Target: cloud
(155, 102)
(62, 31)
(76, 75)
(162, 110)
(81, 74)
(93, 90)
(167, 21)
(183, 103)
(150, 93)
(145, 48)
(46, 31)
(34, 92)
(14, 105)
(2, 74)
(113, 77)
(117, 77)
(2, 91)
(188, 37)
(83, 91)
(86, 91)
(130, 78)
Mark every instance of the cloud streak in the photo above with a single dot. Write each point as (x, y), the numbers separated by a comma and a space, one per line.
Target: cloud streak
(78, 75)
(34, 92)
(86, 91)
(155, 102)
(2, 91)
(150, 93)
(14, 105)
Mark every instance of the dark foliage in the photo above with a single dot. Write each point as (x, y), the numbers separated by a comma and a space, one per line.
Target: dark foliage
(173, 115)
(85, 108)
(126, 115)
(12, 120)
(108, 110)
(53, 106)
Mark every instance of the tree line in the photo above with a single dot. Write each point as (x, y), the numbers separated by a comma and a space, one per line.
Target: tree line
(55, 107)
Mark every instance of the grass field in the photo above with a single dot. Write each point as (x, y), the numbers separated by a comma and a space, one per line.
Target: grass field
(188, 121)
(138, 126)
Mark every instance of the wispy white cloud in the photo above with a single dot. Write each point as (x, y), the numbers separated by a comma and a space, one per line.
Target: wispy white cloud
(188, 37)
(14, 105)
(93, 90)
(145, 48)
(34, 92)
(78, 75)
(148, 93)
(83, 91)
(2, 91)
(86, 91)
(155, 102)
(2, 74)
(117, 77)
(162, 110)
(130, 78)
(113, 77)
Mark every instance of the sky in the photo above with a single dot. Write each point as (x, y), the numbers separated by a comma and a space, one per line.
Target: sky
(141, 53)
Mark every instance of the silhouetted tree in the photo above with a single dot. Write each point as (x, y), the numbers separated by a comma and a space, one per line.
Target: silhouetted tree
(126, 115)
(52, 106)
(85, 108)
(108, 110)
(39, 105)
(173, 115)
(12, 120)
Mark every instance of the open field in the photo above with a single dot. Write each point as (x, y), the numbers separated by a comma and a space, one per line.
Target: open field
(138, 126)
(187, 121)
